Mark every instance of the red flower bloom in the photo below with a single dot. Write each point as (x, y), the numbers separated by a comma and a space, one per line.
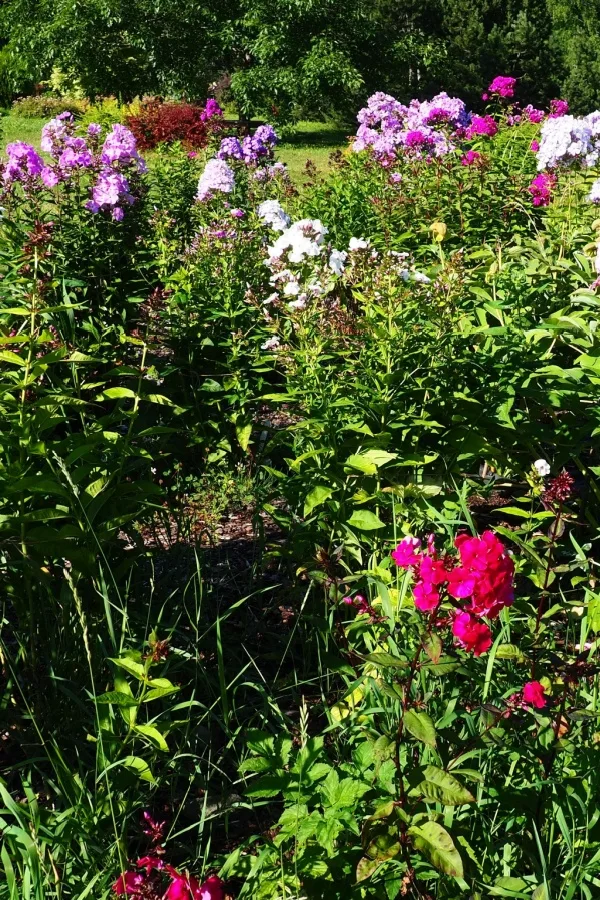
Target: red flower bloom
(533, 693)
(211, 889)
(485, 574)
(149, 863)
(128, 883)
(472, 635)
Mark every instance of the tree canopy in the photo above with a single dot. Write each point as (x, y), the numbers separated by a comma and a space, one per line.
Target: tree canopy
(305, 57)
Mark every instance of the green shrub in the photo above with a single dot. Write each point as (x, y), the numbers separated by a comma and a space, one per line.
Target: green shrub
(46, 107)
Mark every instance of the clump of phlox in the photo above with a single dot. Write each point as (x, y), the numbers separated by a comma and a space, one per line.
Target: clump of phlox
(481, 574)
(389, 128)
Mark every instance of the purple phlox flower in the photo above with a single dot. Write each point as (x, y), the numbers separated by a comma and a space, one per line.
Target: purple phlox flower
(217, 177)
(558, 108)
(503, 86)
(238, 213)
(266, 135)
(230, 149)
(22, 163)
(118, 213)
(541, 189)
(94, 130)
(482, 126)
(75, 155)
(441, 110)
(120, 148)
(211, 110)
(471, 158)
(111, 190)
(534, 115)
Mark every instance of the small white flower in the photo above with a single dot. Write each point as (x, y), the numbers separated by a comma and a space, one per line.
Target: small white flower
(292, 289)
(420, 278)
(300, 303)
(271, 298)
(541, 467)
(272, 213)
(271, 344)
(357, 244)
(337, 261)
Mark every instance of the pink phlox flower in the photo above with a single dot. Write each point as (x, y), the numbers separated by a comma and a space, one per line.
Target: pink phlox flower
(472, 635)
(534, 694)
(407, 552)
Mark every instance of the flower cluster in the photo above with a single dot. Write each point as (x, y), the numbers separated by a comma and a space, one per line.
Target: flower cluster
(109, 165)
(217, 177)
(482, 574)
(541, 188)
(568, 140)
(252, 149)
(389, 128)
(481, 126)
(502, 86)
(272, 213)
(147, 880)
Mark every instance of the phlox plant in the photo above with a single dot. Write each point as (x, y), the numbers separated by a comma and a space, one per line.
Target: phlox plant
(468, 715)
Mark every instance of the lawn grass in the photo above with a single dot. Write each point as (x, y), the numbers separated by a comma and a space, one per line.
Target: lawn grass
(15, 128)
(314, 141)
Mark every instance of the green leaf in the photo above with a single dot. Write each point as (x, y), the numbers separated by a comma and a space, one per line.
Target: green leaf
(432, 644)
(118, 698)
(540, 893)
(133, 668)
(318, 495)
(137, 765)
(437, 845)
(439, 786)
(268, 786)
(243, 431)
(365, 520)
(117, 393)
(153, 735)
(508, 887)
(510, 651)
(386, 660)
(420, 725)
(9, 356)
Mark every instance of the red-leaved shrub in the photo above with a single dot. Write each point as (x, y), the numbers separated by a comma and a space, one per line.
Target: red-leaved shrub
(159, 122)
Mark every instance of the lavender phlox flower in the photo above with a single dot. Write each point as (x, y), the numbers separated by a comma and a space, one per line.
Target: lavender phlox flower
(120, 148)
(273, 214)
(49, 176)
(110, 190)
(567, 140)
(94, 130)
(22, 162)
(594, 194)
(237, 213)
(217, 177)
(266, 134)
(56, 131)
